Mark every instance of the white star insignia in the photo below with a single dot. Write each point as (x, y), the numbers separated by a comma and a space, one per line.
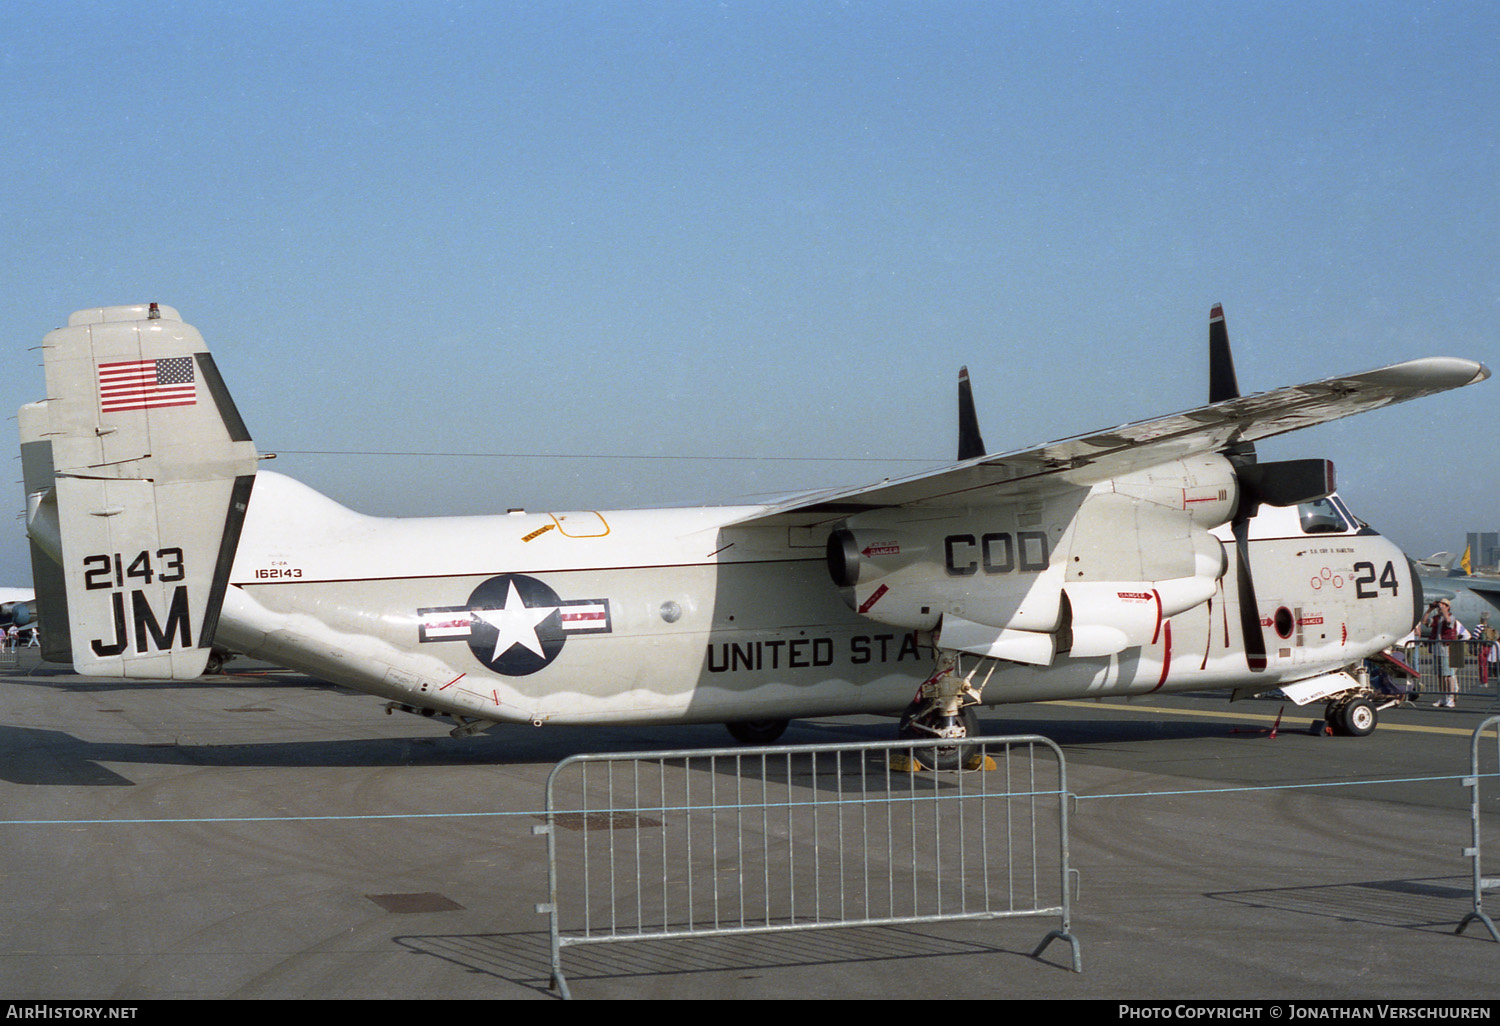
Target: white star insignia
(515, 623)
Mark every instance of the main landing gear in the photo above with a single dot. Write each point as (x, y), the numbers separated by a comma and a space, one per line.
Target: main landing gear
(756, 732)
(945, 706)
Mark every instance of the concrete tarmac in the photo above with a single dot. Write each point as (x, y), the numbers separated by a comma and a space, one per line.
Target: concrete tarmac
(263, 835)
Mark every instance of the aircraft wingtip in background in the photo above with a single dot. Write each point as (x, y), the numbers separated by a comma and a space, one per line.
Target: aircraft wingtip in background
(1092, 565)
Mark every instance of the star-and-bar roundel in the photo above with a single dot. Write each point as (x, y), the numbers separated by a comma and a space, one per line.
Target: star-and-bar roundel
(514, 624)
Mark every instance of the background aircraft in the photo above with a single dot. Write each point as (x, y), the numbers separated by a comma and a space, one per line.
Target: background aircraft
(17, 606)
(1159, 555)
(1474, 598)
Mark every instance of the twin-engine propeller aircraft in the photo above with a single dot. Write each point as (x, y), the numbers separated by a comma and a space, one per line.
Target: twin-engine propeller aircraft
(1157, 556)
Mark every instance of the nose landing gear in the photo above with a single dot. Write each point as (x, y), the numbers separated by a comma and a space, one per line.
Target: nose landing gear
(1352, 716)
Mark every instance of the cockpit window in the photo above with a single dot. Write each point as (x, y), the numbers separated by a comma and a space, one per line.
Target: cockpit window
(1321, 517)
(1349, 514)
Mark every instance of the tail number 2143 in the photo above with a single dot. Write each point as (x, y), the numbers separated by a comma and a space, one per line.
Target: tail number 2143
(112, 571)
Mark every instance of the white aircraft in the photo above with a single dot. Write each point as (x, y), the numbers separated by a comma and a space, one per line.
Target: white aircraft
(1157, 556)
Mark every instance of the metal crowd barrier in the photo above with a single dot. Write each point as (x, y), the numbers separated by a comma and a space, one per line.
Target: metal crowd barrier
(1469, 662)
(1472, 782)
(732, 841)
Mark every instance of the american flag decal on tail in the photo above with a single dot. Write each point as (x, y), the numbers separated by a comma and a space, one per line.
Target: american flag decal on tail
(147, 384)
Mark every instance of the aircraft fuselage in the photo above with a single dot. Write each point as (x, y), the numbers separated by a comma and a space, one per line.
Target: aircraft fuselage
(680, 616)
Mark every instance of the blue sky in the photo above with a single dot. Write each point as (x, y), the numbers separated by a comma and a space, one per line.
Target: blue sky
(641, 238)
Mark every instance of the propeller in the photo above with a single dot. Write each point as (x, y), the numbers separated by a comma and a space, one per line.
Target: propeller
(1279, 483)
(1224, 385)
(1276, 483)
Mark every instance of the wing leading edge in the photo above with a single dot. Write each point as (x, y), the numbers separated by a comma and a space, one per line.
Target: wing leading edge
(1086, 459)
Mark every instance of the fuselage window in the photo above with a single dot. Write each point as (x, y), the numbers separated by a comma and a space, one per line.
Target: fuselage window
(1321, 517)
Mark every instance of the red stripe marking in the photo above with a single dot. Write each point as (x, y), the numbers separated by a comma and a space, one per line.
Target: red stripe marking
(874, 598)
(1166, 654)
(1208, 635)
(110, 408)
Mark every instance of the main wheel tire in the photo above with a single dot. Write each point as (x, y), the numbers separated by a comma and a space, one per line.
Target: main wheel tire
(925, 728)
(756, 732)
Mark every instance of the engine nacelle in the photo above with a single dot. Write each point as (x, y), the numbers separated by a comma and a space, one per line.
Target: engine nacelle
(1033, 647)
(1087, 571)
(910, 578)
(1109, 617)
(1132, 563)
(868, 555)
(1204, 488)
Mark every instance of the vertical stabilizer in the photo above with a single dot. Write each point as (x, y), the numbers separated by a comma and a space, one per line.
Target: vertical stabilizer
(138, 471)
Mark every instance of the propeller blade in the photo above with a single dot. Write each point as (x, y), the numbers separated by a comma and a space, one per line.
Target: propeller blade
(1250, 629)
(1222, 381)
(970, 444)
(1222, 385)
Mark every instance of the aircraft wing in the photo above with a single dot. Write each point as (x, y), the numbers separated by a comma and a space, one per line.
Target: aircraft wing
(1487, 588)
(1092, 457)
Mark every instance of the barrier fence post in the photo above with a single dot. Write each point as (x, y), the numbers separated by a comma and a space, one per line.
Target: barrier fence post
(1473, 783)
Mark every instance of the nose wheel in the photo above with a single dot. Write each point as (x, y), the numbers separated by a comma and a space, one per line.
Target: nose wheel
(1352, 717)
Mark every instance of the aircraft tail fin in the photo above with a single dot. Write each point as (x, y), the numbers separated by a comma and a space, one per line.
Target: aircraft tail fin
(138, 471)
